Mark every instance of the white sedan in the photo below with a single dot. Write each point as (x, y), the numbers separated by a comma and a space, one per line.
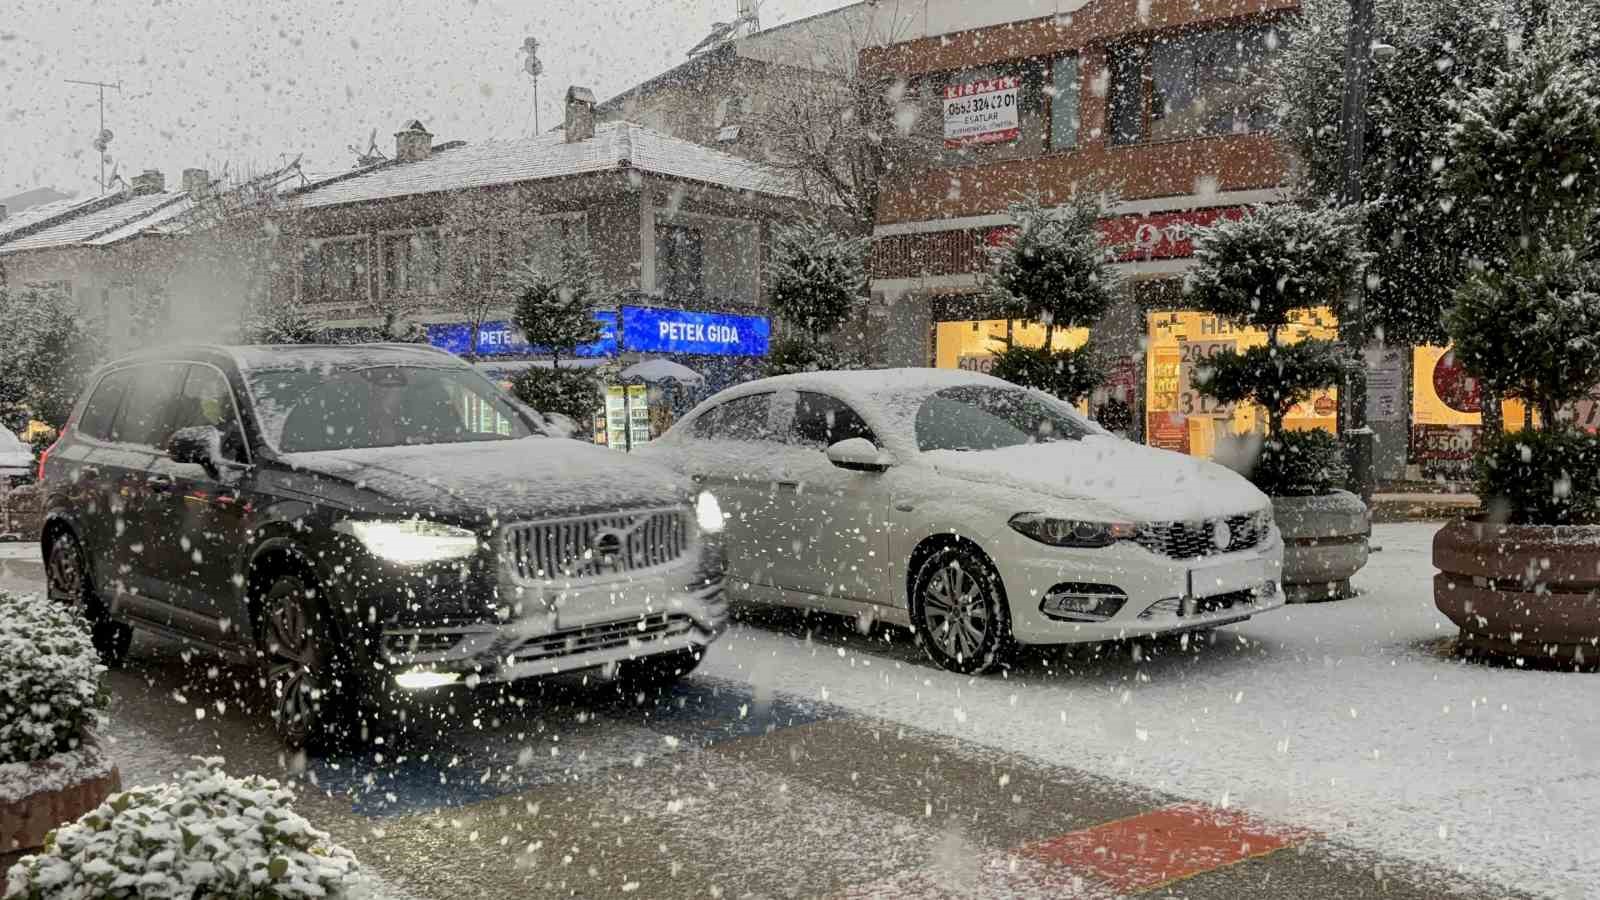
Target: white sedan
(978, 513)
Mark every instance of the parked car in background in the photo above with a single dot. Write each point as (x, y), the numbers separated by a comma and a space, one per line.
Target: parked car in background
(16, 460)
(979, 513)
(365, 521)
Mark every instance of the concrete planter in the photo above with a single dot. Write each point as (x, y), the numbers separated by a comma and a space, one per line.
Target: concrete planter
(1324, 543)
(1521, 591)
(21, 513)
(36, 798)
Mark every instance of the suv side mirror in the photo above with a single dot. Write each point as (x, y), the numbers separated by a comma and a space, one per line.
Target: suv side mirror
(199, 445)
(858, 454)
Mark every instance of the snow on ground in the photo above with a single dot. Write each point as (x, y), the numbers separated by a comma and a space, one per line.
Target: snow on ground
(1345, 717)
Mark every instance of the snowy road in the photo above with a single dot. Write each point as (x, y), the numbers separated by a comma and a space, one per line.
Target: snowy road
(806, 759)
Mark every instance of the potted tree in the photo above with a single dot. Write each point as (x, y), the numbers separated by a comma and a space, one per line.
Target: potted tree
(1260, 271)
(1519, 579)
(1055, 271)
(51, 767)
(208, 835)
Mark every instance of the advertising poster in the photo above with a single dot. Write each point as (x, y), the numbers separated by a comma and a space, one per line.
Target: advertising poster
(1386, 385)
(1169, 431)
(981, 112)
(1194, 355)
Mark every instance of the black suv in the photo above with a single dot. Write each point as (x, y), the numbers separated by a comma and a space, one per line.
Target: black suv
(364, 521)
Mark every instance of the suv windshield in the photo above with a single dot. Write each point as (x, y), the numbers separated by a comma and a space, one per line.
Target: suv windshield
(986, 418)
(380, 406)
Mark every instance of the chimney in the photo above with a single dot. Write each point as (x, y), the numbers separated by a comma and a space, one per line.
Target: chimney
(150, 181)
(412, 143)
(196, 182)
(580, 114)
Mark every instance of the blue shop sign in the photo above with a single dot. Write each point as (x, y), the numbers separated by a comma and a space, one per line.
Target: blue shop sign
(503, 339)
(648, 329)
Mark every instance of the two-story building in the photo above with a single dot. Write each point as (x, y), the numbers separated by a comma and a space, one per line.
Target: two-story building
(679, 233)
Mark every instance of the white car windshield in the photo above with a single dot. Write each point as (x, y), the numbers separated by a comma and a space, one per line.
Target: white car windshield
(980, 417)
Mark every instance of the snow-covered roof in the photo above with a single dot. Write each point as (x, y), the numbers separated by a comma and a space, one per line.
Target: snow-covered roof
(616, 146)
(126, 217)
(33, 215)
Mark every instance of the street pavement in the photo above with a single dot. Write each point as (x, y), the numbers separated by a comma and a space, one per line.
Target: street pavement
(724, 789)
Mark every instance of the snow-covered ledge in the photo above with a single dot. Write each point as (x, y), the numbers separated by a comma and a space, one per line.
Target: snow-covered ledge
(1325, 542)
(36, 797)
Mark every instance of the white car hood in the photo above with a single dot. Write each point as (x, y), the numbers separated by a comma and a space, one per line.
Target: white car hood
(1141, 483)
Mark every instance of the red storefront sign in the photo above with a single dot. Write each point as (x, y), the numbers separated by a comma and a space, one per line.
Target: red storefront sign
(1455, 443)
(1156, 236)
(1169, 431)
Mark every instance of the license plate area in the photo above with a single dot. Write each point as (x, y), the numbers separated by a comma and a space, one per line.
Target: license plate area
(1219, 580)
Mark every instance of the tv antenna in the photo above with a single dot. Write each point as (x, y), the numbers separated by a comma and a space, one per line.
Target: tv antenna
(102, 138)
(534, 67)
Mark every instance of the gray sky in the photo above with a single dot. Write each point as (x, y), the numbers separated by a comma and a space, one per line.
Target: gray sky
(207, 82)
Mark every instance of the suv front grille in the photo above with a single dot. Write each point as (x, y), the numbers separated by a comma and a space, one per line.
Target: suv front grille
(1186, 540)
(597, 546)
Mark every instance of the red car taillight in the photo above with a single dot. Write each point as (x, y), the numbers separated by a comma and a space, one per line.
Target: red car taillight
(46, 454)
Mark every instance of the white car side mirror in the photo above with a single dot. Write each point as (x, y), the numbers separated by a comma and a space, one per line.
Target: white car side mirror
(858, 454)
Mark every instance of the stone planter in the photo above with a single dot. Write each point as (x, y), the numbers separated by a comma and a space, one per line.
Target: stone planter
(21, 513)
(1324, 543)
(37, 797)
(1521, 591)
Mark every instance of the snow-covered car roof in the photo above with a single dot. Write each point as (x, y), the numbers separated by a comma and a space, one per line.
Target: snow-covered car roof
(887, 398)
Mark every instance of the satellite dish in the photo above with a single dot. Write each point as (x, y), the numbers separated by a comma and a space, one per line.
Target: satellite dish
(530, 45)
(533, 66)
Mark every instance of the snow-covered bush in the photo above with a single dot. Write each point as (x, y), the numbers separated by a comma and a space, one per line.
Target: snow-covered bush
(282, 322)
(47, 348)
(1068, 374)
(793, 355)
(1541, 478)
(50, 689)
(555, 301)
(1300, 464)
(210, 835)
(816, 276)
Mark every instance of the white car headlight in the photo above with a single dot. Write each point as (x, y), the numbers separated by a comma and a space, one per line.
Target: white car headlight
(708, 512)
(1060, 532)
(412, 541)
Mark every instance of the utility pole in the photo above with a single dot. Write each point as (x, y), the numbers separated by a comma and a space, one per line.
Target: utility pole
(102, 138)
(1358, 54)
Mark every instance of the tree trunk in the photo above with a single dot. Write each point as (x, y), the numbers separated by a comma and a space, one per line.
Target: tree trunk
(1493, 416)
(1549, 415)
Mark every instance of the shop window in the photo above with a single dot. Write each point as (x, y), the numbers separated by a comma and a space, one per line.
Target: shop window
(1065, 102)
(413, 263)
(335, 270)
(1191, 86)
(680, 260)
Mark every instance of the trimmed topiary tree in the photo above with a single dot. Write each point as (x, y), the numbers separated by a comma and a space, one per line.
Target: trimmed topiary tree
(50, 690)
(1256, 272)
(1056, 271)
(815, 279)
(555, 312)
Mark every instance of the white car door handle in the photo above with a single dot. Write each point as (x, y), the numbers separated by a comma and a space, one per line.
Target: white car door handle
(789, 486)
(904, 505)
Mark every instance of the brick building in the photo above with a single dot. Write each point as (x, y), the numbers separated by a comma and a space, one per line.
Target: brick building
(1156, 100)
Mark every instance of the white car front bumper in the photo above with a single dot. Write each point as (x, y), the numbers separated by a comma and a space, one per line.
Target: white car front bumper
(1163, 595)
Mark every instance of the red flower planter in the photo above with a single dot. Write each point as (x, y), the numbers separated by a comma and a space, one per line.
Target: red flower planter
(1521, 591)
(37, 797)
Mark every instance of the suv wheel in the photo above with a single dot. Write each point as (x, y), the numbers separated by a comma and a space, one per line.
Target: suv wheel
(311, 703)
(651, 676)
(959, 612)
(69, 583)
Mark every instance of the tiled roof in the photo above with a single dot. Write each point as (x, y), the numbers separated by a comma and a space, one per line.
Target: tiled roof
(614, 147)
(89, 226)
(159, 220)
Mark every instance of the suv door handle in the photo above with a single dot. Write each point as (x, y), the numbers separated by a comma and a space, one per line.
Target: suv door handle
(789, 486)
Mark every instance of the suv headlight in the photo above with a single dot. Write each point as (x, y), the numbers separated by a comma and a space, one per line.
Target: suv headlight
(708, 513)
(411, 541)
(1059, 532)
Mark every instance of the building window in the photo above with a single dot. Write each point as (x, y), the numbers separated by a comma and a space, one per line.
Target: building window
(680, 261)
(1065, 100)
(335, 270)
(1191, 86)
(413, 263)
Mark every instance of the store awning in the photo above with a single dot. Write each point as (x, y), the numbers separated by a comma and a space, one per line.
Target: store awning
(656, 370)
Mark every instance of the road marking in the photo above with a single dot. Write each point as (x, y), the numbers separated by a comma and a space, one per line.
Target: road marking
(1157, 848)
